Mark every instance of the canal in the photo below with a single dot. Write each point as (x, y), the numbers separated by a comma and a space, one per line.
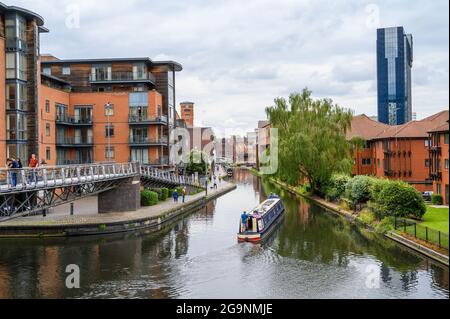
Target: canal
(313, 254)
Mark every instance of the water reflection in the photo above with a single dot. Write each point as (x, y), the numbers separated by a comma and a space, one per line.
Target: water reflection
(312, 254)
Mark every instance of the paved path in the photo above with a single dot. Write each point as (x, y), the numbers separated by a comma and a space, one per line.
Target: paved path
(86, 212)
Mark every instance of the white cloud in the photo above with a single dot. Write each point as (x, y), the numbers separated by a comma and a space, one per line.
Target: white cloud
(239, 55)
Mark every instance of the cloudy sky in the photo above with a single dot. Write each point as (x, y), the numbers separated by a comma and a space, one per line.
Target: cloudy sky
(239, 55)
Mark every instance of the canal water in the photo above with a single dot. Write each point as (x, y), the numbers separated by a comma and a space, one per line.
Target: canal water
(313, 254)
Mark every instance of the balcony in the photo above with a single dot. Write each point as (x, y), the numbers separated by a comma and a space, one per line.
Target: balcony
(147, 120)
(12, 44)
(436, 149)
(138, 141)
(74, 121)
(122, 77)
(75, 142)
(163, 161)
(436, 176)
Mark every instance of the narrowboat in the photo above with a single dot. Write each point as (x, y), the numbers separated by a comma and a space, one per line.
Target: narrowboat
(261, 221)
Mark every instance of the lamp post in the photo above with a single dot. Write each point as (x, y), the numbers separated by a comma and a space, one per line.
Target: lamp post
(108, 108)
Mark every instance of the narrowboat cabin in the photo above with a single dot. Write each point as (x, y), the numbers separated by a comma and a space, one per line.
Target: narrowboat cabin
(261, 221)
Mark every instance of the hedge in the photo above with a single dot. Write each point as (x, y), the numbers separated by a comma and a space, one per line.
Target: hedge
(149, 198)
(164, 194)
(437, 199)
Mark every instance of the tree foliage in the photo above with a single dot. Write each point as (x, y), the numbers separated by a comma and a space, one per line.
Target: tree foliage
(312, 138)
(197, 163)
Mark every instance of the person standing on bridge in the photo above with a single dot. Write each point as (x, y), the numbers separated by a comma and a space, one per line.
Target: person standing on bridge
(13, 165)
(33, 163)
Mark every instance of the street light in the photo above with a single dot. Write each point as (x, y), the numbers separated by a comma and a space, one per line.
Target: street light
(108, 108)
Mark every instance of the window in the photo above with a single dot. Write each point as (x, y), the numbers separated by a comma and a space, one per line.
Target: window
(427, 162)
(47, 70)
(366, 161)
(109, 130)
(111, 153)
(438, 189)
(427, 143)
(47, 106)
(101, 72)
(47, 129)
(447, 164)
(109, 111)
(446, 138)
(66, 70)
(10, 65)
(47, 153)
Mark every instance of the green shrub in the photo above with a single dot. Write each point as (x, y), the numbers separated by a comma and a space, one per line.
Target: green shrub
(397, 198)
(158, 191)
(437, 199)
(149, 198)
(357, 190)
(385, 225)
(335, 188)
(164, 194)
(367, 217)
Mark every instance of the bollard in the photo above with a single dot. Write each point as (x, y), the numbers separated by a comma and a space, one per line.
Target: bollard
(44, 213)
(71, 209)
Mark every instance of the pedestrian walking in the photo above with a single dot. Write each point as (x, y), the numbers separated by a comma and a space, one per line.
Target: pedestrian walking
(175, 197)
(184, 194)
(13, 166)
(215, 181)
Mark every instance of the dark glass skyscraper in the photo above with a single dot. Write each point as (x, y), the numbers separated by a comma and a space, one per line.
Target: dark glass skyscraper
(394, 63)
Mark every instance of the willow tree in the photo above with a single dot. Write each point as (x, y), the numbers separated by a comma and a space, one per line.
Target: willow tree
(312, 138)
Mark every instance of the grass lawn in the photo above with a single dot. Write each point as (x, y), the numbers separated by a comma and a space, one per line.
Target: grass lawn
(436, 218)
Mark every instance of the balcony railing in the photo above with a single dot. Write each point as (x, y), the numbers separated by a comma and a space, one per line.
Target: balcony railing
(137, 140)
(70, 120)
(16, 43)
(75, 141)
(159, 162)
(139, 119)
(123, 77)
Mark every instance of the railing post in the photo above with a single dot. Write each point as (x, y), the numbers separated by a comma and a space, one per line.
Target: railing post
(404, 224)
(23, 177)
(71, 209)
(44, 176)
(439, 239)
(415, 230)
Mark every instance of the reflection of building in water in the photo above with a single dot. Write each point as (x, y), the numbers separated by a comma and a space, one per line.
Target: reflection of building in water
(242, 176)
(303, 211)
(49, 273)
(5, 283)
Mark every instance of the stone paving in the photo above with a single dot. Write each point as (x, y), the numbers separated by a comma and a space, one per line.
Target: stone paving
(86, 212)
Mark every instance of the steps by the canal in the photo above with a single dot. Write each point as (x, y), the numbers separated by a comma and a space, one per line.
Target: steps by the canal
(145, 218)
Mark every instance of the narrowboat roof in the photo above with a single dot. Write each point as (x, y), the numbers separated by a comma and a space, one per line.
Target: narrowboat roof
(264, 207)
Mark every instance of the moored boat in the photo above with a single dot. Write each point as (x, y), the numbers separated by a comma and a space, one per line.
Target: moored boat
(261, 221)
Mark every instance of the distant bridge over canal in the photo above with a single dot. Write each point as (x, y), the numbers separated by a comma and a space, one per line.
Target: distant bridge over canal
(30, 191)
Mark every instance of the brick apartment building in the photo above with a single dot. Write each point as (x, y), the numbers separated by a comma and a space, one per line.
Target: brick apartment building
(402, 152)
(439, 160)
(83, 110)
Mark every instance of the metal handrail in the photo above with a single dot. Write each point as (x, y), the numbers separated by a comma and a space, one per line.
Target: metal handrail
(52, 176)
(123, 76)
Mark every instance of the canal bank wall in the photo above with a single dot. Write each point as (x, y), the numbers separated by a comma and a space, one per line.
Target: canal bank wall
(147, 218)
(423, 250)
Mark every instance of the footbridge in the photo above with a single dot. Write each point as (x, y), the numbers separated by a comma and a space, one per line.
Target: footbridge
(31, 191)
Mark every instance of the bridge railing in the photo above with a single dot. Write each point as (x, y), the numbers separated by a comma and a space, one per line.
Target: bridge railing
(157, 174)
(51, 176)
